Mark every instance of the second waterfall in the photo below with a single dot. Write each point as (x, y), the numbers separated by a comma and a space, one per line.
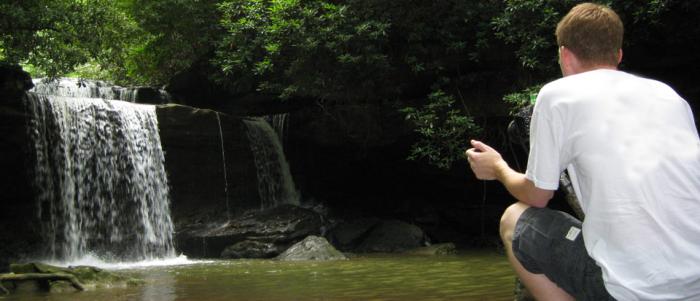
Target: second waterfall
(275, 183)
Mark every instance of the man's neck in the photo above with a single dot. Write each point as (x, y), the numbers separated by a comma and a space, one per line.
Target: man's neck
(582, 69)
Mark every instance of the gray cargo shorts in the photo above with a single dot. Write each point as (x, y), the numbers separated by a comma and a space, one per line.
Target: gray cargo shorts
(550, 242)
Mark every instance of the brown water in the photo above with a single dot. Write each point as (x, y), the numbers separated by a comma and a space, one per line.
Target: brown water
(468, 276)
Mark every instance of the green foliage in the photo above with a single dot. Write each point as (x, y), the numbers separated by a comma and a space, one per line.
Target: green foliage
(176, 35)
(89, 70)
(357, 49)
(55, 36)
(443, 130)
(310, 48)
(522, 98)
(365, 51)
(530, 25)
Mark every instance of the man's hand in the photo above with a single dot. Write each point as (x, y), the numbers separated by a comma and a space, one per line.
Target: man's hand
(485, 161)
(488, 164)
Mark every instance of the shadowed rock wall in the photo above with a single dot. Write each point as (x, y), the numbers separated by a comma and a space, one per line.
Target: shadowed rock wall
(204, 183)
(19, 220)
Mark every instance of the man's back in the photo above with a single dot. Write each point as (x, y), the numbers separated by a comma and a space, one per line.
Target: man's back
(633, 153)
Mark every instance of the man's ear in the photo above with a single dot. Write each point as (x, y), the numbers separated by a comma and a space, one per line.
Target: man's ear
(619, 56)
(567, 60)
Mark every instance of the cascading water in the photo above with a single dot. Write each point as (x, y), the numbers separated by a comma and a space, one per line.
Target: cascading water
(275, 183)
(101, 181)
(72, 87)
(279, 122)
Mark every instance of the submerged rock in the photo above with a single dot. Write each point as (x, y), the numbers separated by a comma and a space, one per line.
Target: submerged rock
(311, 248)
(436, 249)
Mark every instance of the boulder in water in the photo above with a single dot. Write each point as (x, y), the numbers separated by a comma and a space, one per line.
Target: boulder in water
(393, 236)
(347, 236)
(311, 248)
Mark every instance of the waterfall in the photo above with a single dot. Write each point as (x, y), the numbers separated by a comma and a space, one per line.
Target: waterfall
(275, 183)
(99, 174)
(223, 163)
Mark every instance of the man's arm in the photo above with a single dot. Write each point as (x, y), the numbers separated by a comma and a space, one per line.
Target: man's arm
(487, 164)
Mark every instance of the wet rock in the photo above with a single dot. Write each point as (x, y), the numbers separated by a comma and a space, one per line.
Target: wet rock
(311, 248)
(251, 249)
(210, 166)
(151, 95)
(280, 226)
(347, 236)
(393, 236)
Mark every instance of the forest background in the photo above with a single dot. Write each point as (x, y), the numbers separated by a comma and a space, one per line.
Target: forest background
(442, 64)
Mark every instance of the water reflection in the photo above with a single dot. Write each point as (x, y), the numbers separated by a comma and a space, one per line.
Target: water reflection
(161, 287)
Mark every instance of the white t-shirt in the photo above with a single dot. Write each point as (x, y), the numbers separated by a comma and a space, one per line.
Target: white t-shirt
(632, 150)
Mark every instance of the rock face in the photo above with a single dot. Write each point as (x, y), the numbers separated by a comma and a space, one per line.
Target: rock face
(263, 234)
(20, 231)
(311, 248)
(210, 166)
(20, 234)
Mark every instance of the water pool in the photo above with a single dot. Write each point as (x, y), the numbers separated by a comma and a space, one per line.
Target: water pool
(481, 275)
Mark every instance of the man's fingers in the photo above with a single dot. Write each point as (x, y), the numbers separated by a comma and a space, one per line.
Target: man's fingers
(471, 153)
(480, 146)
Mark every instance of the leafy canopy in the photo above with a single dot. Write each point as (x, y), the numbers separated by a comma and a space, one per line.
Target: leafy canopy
(56, 36)
(442, 62)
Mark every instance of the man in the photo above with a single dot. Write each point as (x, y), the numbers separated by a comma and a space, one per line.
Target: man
(632, 151)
